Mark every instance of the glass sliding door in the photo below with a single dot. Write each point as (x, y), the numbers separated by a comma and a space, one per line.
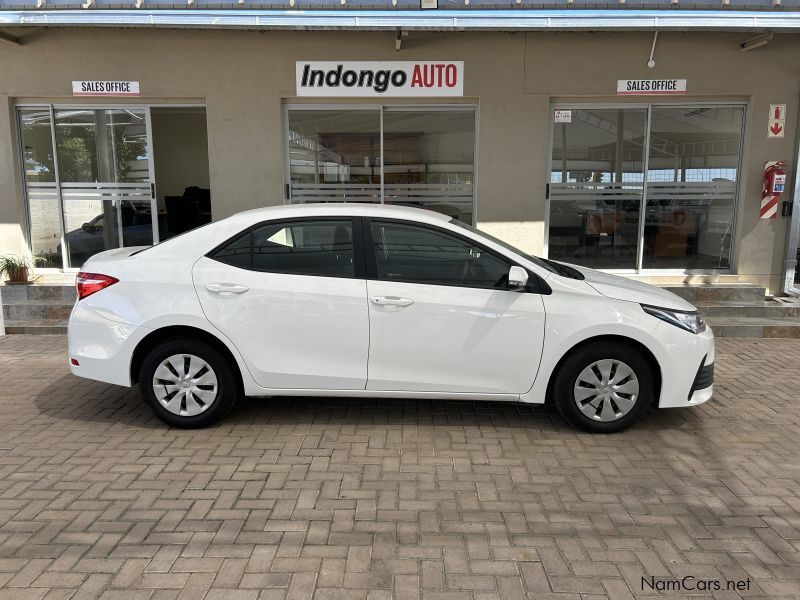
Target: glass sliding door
(104, 169)
(596, 184)
(41, 187)
(334, 155)
(429, 159)
(691, 186)
(644, 187)
(88, 181)
(415, 156)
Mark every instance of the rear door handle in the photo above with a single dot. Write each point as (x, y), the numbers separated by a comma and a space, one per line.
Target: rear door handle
(392, 301)
(224, 289)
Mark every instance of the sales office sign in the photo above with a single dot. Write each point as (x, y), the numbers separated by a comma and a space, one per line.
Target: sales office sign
(379, 79)
(651, 87)
(105, 88)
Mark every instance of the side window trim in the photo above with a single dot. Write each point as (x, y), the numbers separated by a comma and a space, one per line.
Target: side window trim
(359, 267)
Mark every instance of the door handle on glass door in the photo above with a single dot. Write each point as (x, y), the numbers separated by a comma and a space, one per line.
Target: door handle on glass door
(392, 301)
(226, 288)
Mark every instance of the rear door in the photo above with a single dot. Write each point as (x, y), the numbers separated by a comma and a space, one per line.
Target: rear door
(441, 316)
(291, 296)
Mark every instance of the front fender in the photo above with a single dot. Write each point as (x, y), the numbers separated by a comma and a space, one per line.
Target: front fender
(574, 317)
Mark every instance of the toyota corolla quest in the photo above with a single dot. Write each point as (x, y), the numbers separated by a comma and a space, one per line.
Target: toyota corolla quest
(379, 301)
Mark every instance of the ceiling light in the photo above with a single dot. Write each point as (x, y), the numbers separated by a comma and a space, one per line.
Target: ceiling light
(756, 42)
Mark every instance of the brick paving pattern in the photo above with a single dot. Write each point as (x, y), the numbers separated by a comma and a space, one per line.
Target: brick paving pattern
(338, 499)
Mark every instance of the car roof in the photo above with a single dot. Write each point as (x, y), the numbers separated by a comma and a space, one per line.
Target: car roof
(354, 209)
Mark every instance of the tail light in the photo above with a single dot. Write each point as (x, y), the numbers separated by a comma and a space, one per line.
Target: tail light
(89, 283)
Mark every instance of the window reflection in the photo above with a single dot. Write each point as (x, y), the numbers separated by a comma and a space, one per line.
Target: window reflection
(691, 187)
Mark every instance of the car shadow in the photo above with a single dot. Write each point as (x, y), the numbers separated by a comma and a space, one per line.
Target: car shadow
(95, 402)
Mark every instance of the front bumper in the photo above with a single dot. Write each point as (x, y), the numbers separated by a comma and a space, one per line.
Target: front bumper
(687, 366)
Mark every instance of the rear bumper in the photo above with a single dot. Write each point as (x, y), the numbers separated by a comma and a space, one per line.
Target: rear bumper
(103, 348)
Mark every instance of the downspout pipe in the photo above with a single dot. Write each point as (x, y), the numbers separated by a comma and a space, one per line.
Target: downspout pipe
(793, 231)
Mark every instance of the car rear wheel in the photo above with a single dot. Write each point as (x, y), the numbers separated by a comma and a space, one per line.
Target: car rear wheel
(187, 383)
(603, 387)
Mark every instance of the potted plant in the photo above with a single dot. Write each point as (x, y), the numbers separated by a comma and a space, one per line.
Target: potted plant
(16, 268)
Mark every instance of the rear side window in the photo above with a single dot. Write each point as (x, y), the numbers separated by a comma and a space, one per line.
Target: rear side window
(236, 253)
(323, 247)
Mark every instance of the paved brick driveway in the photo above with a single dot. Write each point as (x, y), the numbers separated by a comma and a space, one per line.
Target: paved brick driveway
(394, 499)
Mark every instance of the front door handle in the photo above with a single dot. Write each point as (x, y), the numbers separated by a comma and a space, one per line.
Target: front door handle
(225, 289)
(392, 301)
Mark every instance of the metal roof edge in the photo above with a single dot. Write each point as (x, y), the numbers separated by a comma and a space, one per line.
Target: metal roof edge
(351, 20)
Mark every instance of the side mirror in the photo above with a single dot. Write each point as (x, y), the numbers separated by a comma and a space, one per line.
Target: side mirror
(517, 278)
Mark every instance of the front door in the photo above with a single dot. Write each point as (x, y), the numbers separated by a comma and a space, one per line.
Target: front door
(292, 298)
(441, 318)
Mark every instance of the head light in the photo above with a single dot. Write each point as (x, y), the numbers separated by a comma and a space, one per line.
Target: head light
(690, 321)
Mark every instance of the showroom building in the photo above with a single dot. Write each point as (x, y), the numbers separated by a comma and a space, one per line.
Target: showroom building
(631, 140)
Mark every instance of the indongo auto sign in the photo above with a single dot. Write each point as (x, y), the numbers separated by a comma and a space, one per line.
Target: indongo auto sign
(380, 79)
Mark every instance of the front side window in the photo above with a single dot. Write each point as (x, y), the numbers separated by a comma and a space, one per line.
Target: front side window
(417, 254)
(323, 248)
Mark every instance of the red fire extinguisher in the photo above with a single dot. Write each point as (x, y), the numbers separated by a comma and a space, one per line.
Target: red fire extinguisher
(774, 184)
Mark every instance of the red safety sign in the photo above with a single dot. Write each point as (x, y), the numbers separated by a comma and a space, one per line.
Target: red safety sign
(776, 125)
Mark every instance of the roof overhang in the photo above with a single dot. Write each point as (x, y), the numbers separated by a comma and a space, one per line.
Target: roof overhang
(380, 20)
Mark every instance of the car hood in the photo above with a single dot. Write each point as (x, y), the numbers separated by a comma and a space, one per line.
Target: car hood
(622, 288)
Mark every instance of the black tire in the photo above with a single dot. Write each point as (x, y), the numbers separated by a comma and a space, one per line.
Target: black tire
(227, 390)
(567, 375)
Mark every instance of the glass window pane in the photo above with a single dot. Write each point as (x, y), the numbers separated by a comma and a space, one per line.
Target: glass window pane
(102, 145)
(305, 248)
(419, 254)
(429, 160)
(40, 186)
(596, 187)
(691, 187)
(334, 155)
(92, 226)
(104, 168)
(236, 253)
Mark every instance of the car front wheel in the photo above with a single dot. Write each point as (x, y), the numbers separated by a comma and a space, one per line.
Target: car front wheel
(187, 383)
(603, 387)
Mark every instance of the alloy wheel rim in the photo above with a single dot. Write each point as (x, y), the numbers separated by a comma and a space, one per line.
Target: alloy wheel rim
(606, 390)
(185, 385)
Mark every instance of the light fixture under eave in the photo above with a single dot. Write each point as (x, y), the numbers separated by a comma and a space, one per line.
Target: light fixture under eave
(651, 63)
(756, 42)
(398, 39)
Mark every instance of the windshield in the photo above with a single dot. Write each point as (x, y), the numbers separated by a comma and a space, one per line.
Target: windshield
(545, 264)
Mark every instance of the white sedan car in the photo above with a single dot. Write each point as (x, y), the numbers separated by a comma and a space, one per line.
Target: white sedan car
(379, 301)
